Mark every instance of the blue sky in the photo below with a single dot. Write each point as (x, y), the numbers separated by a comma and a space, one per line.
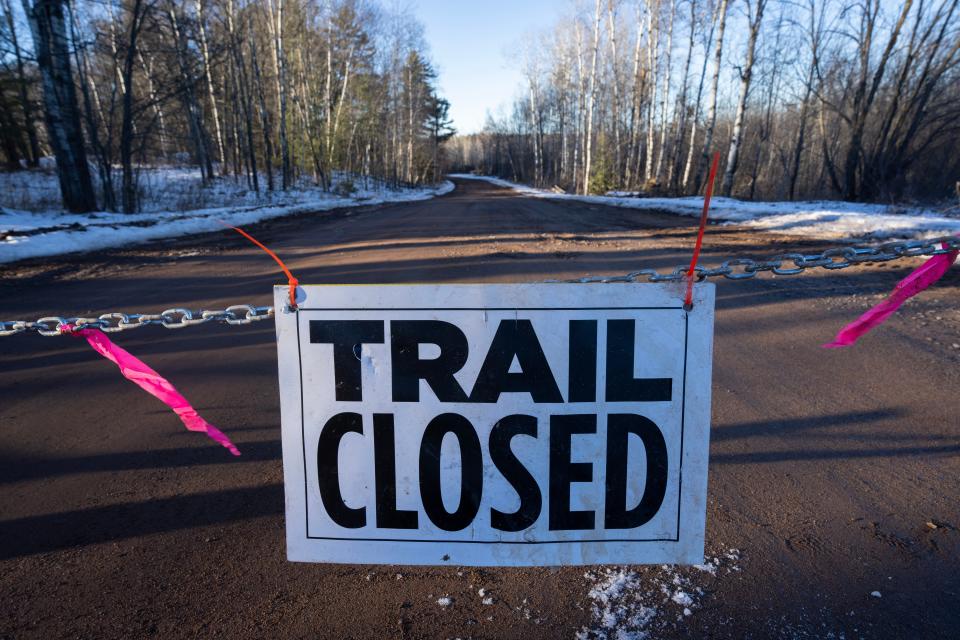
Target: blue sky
(469, 43)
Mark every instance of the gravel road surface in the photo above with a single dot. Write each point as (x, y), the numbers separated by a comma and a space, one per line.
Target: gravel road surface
(834, 477)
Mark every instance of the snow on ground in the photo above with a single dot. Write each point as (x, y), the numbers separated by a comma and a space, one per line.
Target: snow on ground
(175, 203)
(634, 603)
(817, 219)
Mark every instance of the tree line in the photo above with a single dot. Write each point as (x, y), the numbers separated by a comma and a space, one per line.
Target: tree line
(856, 99)
(266, 91)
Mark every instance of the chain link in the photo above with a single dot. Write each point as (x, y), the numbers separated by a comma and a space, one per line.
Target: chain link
(113, 322)
(785, 264)
(790, 264)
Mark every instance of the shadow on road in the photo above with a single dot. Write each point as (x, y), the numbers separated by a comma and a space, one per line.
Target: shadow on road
(73, 529)
(20, 467)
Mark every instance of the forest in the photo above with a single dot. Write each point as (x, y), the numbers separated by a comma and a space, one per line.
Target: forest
(840, 99)
(267, 92)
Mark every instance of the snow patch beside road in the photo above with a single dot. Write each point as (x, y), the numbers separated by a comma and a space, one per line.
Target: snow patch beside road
(823, 219)
(27, 234)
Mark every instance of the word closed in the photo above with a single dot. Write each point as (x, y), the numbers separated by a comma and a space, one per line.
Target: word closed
(495, 425)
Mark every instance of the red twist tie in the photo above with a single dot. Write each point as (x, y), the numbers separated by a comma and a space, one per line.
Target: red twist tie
(688, 301)
(293, 282)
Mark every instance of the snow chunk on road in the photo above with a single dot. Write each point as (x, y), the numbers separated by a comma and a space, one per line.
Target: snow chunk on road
(445, 601)
(824, 219)
(610, 595)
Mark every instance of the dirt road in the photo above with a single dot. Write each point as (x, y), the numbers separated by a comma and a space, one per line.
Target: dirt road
(833, 474)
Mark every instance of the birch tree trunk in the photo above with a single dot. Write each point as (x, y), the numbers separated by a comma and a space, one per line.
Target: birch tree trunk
(265, 124)
(340, 102)
(410, 124)
(319, 174)
(691, 150)
(765, 127)
(328, 91)
(591, 99)
(245, 98)
(635, 105)
(653, 48)
(746, 77)
(535, 128)
(128, 187)
(188, 95)
(665, 94)
(211, 95)
(615, 105)
(280, 63)
(681, 126)
(712, 105)
(581, 104)
(154, 100)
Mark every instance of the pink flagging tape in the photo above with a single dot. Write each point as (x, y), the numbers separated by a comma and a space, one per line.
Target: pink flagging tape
(152, 382)
(921, 278)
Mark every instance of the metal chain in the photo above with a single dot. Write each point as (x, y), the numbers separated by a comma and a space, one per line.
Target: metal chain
(735, 269)
(113, 322)
(835, 258)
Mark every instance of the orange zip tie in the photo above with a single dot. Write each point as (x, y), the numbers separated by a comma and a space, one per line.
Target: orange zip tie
(688, 302)
(290, 279)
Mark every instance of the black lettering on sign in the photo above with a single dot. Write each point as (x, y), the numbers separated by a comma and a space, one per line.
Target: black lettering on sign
(406, 336)
(619, 428)
(621, 385)
(345, 336)
(471, 471)
(563, 472)
(385, 477)
(582, 365)
(328, 471)
(522, 481)
(515, 339)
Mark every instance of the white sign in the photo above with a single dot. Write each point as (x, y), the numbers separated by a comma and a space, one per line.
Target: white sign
(495, 425)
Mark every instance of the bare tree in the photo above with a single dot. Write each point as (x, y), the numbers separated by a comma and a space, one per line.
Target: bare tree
(755, 15)
(876, 83)
(712, 105)
(128, 186)
(48, 25)
(688, 167)
(680, 113)
(591, 100)
(665, 93)
(211, 95)
(280, 64)
(867, 84)
(26, 106)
